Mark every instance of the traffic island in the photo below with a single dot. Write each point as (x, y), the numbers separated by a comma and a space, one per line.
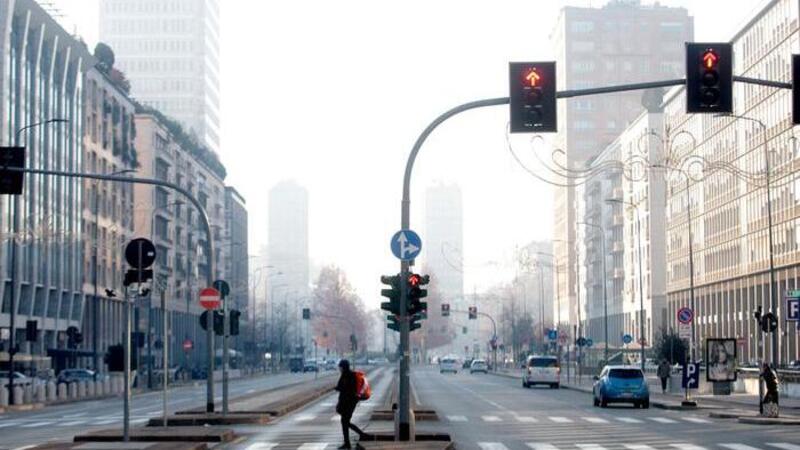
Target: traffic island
(758, 420)
(161, 434)
(122, 446)
(184, 420)
(424, 441)
(732, 414)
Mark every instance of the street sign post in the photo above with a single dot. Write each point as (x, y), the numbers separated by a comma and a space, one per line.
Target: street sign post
(224, 289)
(406, 245)
(627, 339)
(691, 376)
(552, 335)
(685, 315)
(210, 298)
(793, 309)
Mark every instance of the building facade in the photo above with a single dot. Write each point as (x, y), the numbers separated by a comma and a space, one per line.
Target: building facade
(170, 52)
(237, 263)
(728, 205)
(41, 78)
(622, 42)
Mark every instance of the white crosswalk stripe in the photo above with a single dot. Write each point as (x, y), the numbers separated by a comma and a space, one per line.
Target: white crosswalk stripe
(595, 420)
(36, 424)
(784, 446)
(335, 418)
(628, 420)
(590, 446)
(696, 420)
(261, 446)
(527, 419)
(8, 424)
(71, 423)
(456, 418)
(490, 419)
(662, 420)
(560, 419)
(638, 447)
(104, 422)
(541, 446)
(682, 446)
(492, 446)
(305, 417)
(313, 446)
(738, 446)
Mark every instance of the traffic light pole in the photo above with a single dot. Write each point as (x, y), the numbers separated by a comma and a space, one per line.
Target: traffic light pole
(206, 227)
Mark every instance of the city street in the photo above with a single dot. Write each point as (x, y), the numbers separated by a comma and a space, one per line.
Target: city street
(61, 422)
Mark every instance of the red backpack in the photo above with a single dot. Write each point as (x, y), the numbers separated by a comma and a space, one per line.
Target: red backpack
(363, 391)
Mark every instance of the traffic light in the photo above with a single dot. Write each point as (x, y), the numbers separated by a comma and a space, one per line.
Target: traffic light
(234, 325)
(74, 337)
(11, 182)
(473, 312)
(115, 358)
(445, 309)
(31, 330)
(353, 342)
(415, 293)
(709, 77)
(393, 293)
(796, 89)
(306, 314)
(463, 330)
(413, 321)
(394, 323)
(219, 322)
(532, 97)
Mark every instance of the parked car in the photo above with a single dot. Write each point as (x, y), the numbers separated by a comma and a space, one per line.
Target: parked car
(542, 370)
(621, 384)
(448, 364)
(331, 364)
(467, 363)
(75, 375)
(19, 379)
(478, 365)
(310, 366)
(296, 364)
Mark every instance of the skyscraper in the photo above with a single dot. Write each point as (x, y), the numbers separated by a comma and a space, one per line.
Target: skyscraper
(287, 252)
(622, 42)
(444, 241)
(170, 52)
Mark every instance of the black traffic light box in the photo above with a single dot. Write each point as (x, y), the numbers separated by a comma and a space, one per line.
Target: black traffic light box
(234, 325)
(11, 182)
(394, 323)
(413, 321)
(393, 293)
(709, 77)
(306, 314)
(473, 312)
(219, 322)
(445, 309)
(31, 330)
(796, 89)
(416, 292)
(532, 97)
(115, 358)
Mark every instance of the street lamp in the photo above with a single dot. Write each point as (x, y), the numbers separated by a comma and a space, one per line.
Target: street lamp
(12, 288)
(95, 310)
(772, 284)
(605, 294)
(641, 285)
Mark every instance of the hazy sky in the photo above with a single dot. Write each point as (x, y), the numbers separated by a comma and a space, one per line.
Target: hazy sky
(334, 93)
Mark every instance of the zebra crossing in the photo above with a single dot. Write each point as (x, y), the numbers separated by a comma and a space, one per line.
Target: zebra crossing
(551, 446)
(589, 419)
(68, 422)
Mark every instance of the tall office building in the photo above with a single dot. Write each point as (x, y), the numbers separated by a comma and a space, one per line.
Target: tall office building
(444, 241)
(287, 251)
(170, 52)
(622, 42)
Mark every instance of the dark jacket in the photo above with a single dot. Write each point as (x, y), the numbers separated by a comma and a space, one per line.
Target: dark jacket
(347, 393)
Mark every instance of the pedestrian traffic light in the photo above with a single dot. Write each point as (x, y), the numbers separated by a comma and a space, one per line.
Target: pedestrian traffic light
(473, 312)
(532, 97)
(393, 323)
(445, 309)
(11, 181)
(796, 89)
(353, 342)
(709, 77)
(115, 358)
(74, 337)
(393, 293)
(219, 322)
(306, 314)
(233, 327)
(413, 321)
(416, 292)
(463, 330)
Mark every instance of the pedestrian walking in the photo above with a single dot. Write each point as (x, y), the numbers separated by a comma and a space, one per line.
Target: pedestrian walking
(663, 373)
(770, 400)
(348, 399)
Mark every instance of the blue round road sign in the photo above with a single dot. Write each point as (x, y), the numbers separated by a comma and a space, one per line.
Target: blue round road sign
(685, 315)
(552, 334)
(627, 339)
(589, 342)
(406, 245)
(581, 341)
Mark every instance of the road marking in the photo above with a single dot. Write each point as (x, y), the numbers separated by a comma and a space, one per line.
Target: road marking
(696, 420)
(261, 446)
(313, 446)
(25, 447)
(8, 424)
(541, 446)
(492, 446)
(560, 419)
(662, 420)
(637, 447)
(527, 419)
(140, 420)
(738, 447)
(784, 445)
(590, 446)
(35, 424)
(71, 424)
(104, 422)
(491, 419)
(250, 391)
(327, 404)
(595, 420)
(628, 420)
(456, 418)
(335, 418)
(73, 416)
(682, 446)
(305, 417)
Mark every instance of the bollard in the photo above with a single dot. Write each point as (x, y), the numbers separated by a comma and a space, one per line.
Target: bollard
(62, 391)
(52, 391)
(81, 389)
(41, 393)
(18, 400)
(72, 391)
(91, 388)
(27, 394)
(3, 397)
(107, 386)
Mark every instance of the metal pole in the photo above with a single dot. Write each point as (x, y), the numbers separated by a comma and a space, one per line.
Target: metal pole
(641, 287)
(225, 348)
(149, 342)
(126, 407)
(96, 303)
(165, 350)
(691, 271)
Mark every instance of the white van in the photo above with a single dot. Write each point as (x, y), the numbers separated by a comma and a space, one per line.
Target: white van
(542, 370)
(448, 364)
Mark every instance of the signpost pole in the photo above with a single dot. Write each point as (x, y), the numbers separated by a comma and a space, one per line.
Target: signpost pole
(165, 349)
(126, 382)
(225, 349)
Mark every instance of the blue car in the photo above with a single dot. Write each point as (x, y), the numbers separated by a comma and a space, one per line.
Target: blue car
(621, 384)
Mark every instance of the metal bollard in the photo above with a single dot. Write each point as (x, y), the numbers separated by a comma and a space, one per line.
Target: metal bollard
(41, 393)
(18, 393)
(81, 389)
(62, 391)
(52, 391)
(3, 397)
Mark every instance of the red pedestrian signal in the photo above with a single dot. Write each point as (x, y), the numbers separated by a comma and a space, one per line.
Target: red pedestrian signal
(532, 97)
(709, 78)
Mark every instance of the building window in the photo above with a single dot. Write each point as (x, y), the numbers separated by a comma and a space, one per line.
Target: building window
(582, 26)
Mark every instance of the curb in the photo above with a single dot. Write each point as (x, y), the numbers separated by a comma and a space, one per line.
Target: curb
(768, 421)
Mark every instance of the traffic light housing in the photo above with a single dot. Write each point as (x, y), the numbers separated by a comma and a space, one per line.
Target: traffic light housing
(709, 77)
(11, 182)
(445, 309)
(473, 312)
(394, 323)
(796, 89)
(306, 314)
(415, 293)
(532, 97)
(233, 327)
(31, 330)
(74, 337)
(219, 322)
(115, 358)
(393, 293)
(769, 323)
(413, 321)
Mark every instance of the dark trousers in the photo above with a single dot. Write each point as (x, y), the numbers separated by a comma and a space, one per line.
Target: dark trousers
(663, 383)
(347, 426)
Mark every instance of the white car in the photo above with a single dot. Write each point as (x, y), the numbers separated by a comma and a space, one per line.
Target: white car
(542, 370)
(448, 364)
(478, 365)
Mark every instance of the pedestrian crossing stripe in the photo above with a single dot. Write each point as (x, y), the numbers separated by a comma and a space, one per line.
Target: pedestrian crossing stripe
(541, 446)
(527, 419)
(687, 447)
(456, 418)
(105, 422)
(305, 417)
(560, 419)
(738, 447)
(628, 420)
(491, 419)
(784, 446)
(638, 447)
(261, 446)
(8, 424)
(313, 446)
(35, 424)
(492, 446)
(590, 446)
(661, 420)
(595, 420)
(696, 419)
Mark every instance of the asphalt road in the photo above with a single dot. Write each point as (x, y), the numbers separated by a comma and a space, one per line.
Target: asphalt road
(491, 412)
(19, 430)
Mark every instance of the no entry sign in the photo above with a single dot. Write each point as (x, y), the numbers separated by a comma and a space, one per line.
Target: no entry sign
(209, 298)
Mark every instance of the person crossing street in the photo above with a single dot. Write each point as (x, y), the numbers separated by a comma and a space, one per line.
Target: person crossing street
(348, 399)
(663, 373)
